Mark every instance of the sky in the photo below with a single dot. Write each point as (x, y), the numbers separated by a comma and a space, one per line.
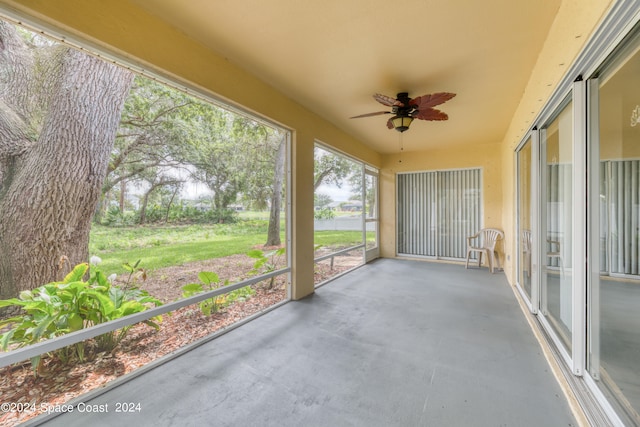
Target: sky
(336, 194)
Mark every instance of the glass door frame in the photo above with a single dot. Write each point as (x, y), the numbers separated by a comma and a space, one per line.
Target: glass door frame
(605, 388)
(374, 252)
(532, 301)
(575, 356)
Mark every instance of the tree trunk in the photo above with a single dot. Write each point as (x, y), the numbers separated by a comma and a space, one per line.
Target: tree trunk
(173, 196)
(273, 235)
(143, 207)
(123, 191)
(49, 193)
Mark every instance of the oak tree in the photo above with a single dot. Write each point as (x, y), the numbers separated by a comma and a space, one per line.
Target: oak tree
(59, 112)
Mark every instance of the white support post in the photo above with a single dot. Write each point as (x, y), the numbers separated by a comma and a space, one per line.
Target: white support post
(579, 227)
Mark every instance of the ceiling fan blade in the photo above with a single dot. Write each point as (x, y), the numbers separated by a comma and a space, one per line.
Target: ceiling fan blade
(387, 100)
(377, 113)
(389, 124)
(430, 114)
(431, 100)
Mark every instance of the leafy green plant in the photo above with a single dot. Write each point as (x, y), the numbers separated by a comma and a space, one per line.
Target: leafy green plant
(324, 213)
(266, 262)
(210, 281)
(115, 218)
(59, 308)
(239, 295)
(135, 272)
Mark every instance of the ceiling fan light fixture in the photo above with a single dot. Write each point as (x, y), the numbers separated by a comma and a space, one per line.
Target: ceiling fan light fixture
(401, 123)
(405, 109)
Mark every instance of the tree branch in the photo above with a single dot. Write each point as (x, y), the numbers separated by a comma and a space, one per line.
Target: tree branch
(321, 177)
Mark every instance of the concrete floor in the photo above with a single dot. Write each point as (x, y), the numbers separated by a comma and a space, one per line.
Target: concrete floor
(620, 337)
(394, 343)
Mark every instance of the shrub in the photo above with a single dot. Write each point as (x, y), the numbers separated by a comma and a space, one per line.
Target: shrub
(182, 213)
(114, 218)
(58, 308)
(324, 213)
(228, 216)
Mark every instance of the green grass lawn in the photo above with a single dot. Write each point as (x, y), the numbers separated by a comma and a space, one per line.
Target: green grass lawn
(335, 239)
(159, 247)
(164, 246)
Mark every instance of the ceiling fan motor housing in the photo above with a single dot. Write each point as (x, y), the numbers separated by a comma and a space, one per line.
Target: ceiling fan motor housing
(405, 109)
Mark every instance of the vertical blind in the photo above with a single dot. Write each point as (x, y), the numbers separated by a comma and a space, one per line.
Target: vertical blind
(619, 216)
(437, 211)
(622, 193)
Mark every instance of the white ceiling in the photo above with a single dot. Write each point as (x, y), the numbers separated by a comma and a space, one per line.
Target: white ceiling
(331, 56)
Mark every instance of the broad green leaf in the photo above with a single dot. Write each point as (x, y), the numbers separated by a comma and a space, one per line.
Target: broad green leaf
(105, 305)
(101, 288)
(70, 291)
(255, 253)
(208, 277)
(41, 328)
(101, 279)
(193, 288)
(117, 296)
(77, 273)
(93, 318)
(49, 289)
(5, 339)
(10, 320)
(75, 322)
(259, 263)
(127, 308)
(12, 301)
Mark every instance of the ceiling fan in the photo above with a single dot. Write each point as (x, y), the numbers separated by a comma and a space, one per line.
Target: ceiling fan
(406, 109)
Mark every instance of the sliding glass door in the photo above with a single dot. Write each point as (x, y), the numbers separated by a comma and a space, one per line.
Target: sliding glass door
(555, 238)
(370, 212)
(614, 286)
(578, 225)
(525, 218)
(437, 211)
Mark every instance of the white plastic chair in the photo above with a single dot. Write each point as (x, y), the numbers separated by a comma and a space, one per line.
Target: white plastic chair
(554, 252)
(485, 243)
